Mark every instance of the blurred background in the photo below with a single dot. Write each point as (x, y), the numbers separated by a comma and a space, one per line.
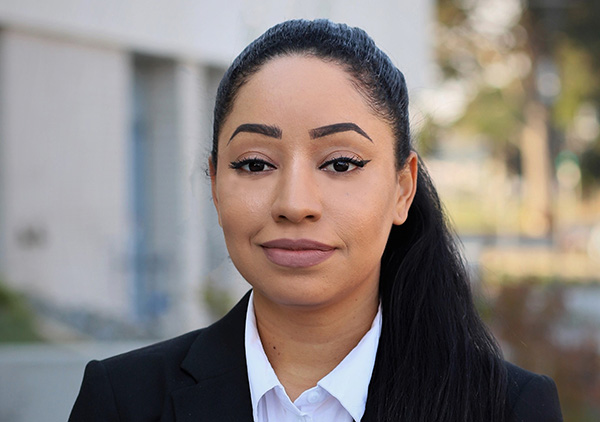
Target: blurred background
(108, 237)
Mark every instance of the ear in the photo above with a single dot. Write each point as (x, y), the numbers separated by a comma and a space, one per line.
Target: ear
(213, 187)
(407, 187)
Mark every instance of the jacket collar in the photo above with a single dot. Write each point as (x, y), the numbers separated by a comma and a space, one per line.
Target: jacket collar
(217, 362)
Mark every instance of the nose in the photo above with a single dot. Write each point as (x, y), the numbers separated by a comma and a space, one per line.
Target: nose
(297, 197)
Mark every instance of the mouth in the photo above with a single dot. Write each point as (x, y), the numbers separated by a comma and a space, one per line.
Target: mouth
(297, 253)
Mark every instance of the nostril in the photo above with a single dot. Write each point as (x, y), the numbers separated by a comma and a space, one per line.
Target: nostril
(295, 202)
(298, 218)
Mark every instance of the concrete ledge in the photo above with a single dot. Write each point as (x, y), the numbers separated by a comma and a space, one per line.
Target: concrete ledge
(39, 382)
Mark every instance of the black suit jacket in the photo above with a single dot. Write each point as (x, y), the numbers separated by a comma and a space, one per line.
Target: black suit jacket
(202, 376)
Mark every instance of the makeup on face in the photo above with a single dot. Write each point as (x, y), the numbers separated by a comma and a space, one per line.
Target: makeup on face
(309, 189)
(297, 253)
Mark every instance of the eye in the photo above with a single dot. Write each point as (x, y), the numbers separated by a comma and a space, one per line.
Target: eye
(252, 165)
(343, 164)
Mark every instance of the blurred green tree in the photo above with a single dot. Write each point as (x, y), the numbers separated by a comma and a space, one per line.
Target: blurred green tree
(16, 319)
(527, 72)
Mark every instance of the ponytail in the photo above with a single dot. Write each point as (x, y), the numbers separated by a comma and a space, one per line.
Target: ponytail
(436, 360)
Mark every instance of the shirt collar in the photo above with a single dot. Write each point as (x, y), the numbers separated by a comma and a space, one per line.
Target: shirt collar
(261, 375)
(357, 365)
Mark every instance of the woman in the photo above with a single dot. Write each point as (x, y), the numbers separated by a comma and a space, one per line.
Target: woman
(360, 307)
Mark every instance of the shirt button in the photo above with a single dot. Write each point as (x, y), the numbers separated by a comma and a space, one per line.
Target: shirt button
(313, 397)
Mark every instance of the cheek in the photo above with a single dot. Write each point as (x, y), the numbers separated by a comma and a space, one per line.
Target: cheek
(241, 207)
(364, 214)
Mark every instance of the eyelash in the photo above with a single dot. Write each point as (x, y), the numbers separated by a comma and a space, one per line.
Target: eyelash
(350, 160)
(238, 165)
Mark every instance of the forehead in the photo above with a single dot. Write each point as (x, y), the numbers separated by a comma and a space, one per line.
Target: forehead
(308, 89)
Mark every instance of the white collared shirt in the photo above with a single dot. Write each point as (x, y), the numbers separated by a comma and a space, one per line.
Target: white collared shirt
(339, 396)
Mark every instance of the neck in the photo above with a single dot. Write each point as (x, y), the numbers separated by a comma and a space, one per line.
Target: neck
(303, 345)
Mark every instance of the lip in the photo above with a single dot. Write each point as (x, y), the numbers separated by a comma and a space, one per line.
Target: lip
(297, 253)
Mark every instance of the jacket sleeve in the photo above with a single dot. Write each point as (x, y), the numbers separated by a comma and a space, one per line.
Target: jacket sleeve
(96, 401)
(537, 401)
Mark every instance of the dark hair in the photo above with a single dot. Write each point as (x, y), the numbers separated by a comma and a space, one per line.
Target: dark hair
(436, 360)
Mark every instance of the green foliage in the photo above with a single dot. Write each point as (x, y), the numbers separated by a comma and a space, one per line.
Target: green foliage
(579, 82)
(426, 137)
(16, 319)
(450, 13)
(590, 167)
(497, 114)
(219, 301)
(564, 34)
(582, 28)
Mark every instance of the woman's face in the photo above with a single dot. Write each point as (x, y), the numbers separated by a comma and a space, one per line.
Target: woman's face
(306, 187)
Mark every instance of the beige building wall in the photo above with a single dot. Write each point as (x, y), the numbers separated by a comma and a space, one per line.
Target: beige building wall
(64, 131)
(71, 72)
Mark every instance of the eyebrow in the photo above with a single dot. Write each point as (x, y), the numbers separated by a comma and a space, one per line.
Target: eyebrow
(270, 131)
(337, 128)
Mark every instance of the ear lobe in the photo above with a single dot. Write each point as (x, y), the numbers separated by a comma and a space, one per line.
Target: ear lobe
(213, 187)
(407, 187)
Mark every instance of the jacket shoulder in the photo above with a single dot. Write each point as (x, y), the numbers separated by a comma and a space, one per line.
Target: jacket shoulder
(133, 386)
(172, 350)
(138, 385)
(531, 397)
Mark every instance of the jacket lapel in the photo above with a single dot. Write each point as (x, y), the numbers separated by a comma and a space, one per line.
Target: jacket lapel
(217, 362)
